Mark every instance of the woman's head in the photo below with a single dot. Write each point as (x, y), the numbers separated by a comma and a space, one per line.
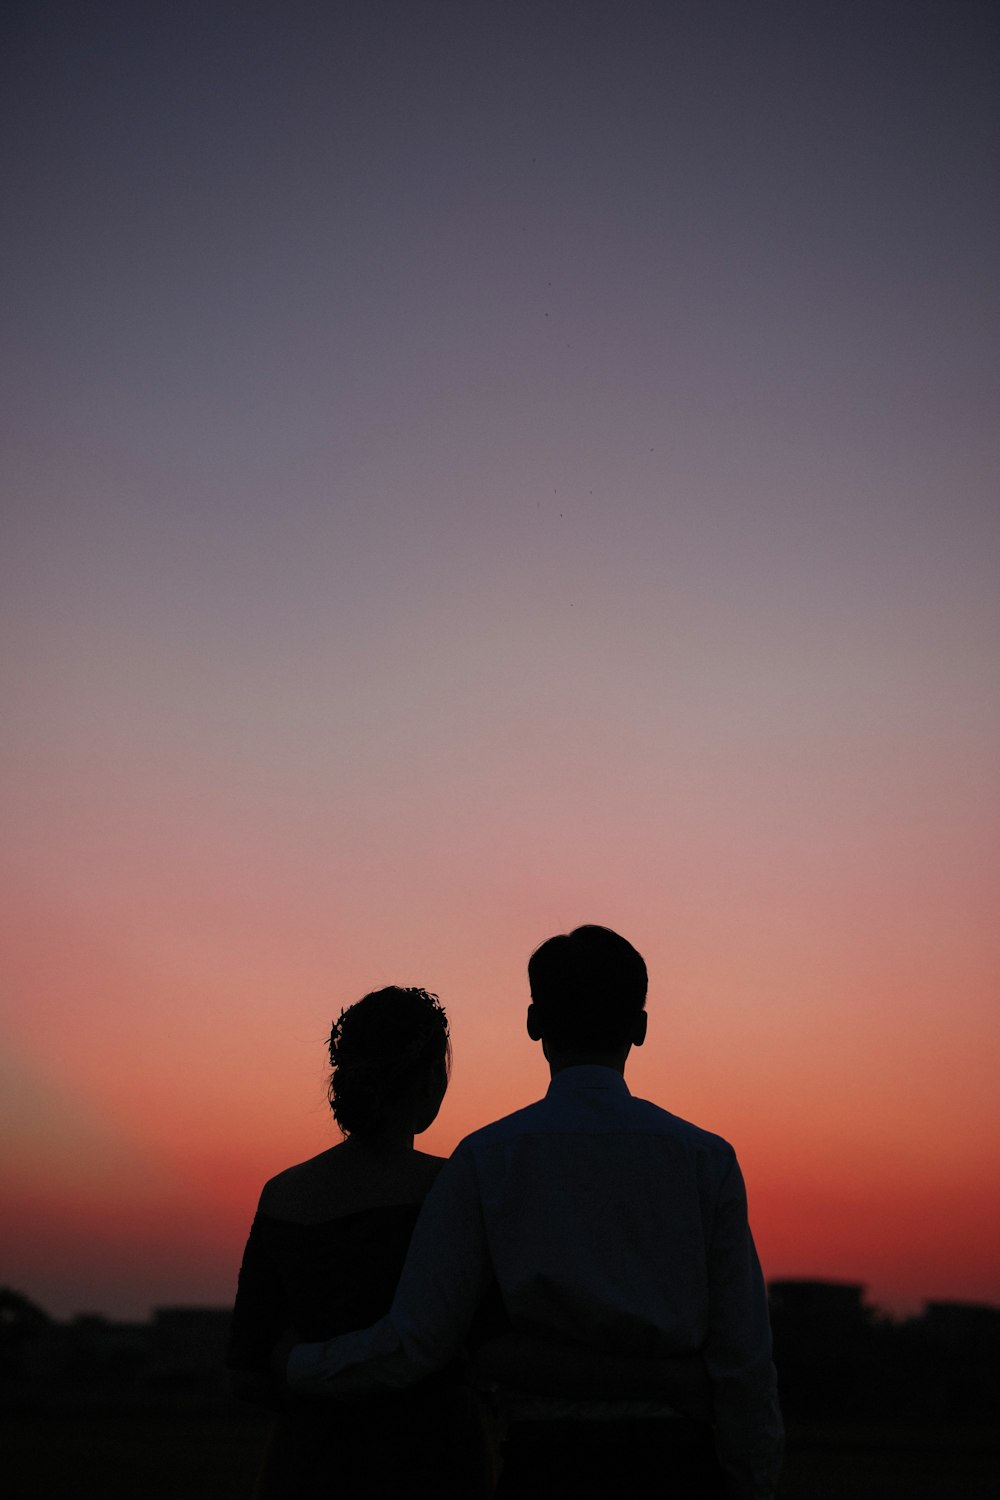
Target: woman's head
(389, 1052)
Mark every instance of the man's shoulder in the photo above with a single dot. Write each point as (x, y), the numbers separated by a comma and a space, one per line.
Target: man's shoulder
(519, 1122)
(626, 1112)
(660, 1121)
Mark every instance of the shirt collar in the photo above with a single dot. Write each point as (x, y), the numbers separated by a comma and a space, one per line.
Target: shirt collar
(587, 1076)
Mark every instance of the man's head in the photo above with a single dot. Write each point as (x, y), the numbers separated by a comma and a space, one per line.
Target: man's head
(588, 993)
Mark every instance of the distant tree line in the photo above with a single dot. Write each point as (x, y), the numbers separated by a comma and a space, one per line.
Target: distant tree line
(839, 1359)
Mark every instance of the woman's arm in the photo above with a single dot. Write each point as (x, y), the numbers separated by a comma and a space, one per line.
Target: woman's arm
(258, 1319)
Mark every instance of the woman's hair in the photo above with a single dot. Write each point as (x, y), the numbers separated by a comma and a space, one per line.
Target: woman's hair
(379, 1048)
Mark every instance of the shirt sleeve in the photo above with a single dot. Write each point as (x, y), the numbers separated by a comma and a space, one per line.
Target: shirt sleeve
(445, 1274)
(748, 1427)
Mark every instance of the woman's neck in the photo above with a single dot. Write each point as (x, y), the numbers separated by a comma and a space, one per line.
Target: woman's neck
(386, 1145)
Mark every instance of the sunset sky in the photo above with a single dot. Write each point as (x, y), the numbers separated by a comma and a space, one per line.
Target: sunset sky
(471, 469)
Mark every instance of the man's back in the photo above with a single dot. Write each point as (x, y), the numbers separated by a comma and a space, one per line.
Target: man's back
(598, 1210)
(611, 1224)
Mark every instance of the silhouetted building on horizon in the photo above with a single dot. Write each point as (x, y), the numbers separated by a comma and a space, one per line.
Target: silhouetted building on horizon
(839, 1359)
(178, 1354)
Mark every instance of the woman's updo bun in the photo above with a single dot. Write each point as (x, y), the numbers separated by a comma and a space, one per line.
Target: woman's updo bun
(379, 1048)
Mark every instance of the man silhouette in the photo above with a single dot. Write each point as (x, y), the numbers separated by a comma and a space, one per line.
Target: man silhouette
(614, 1232)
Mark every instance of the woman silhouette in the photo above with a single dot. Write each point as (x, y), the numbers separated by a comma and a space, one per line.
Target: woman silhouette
(323, 1257)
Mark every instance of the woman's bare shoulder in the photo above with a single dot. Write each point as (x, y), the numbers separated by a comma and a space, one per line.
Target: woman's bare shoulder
(337, 1182)
(294, 1192)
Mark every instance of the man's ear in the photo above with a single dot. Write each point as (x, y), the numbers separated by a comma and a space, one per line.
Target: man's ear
(534, 1028)
(639, 1030)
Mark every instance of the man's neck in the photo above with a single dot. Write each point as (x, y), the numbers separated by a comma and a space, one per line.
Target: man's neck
(559, 1061)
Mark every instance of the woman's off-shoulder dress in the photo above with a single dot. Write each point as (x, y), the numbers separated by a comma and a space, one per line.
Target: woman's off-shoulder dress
(329, 1278)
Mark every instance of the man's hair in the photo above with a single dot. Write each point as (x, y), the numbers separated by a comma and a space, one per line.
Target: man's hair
(587, 986)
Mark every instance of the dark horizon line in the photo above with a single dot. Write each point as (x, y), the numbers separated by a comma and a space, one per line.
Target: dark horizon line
(818, 1284)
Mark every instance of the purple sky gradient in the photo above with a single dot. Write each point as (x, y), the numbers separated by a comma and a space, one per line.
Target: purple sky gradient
(476, 467)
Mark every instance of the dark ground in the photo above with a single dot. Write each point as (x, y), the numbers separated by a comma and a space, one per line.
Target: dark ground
(186, 1457)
